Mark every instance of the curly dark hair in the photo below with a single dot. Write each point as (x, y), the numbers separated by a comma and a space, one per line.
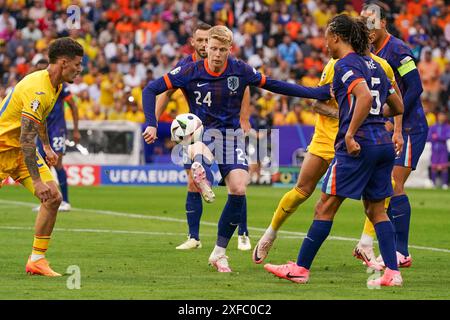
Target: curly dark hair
(352, 31)
(64, 47)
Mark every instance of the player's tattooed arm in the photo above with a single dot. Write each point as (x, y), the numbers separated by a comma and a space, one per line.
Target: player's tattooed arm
(326, 110)
(29, 131)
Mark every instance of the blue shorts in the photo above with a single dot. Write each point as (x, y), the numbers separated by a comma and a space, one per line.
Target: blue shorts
(229, 155)
(57, 140)
(412, 150)
(367, 175)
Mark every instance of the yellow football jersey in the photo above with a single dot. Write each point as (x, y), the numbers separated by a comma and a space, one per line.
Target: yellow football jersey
(322, 143)
(33, 97)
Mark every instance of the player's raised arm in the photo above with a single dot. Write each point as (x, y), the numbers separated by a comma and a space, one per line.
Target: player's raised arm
(149, 94)
(176, 78)
(255, 78)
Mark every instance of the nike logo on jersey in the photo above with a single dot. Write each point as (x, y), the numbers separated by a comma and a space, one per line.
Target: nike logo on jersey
(201, 85)
(290, 276)
(40, 93)
(395, 217)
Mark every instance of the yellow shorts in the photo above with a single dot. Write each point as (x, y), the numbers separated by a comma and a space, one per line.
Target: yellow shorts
(324, 150)
(13, 165)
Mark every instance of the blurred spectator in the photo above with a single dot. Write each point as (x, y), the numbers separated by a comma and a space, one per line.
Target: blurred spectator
(118, 112)
(289, 51)
(438, 135)
(429, 71)
(96, 113)
(133, 113)
(299, 115)
(266, 104)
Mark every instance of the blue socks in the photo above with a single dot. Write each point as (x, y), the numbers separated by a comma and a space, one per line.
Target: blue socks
(386, 242)
(194, 209)
(317, 234)
(230, 219)
(243, 225)
(62, 179)
(399, 213)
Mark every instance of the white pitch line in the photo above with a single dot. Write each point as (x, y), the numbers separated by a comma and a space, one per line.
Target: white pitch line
(288, 234)
(147, 233)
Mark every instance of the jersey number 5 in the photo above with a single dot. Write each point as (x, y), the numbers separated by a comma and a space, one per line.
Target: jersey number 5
(206, 99)
(376, 95)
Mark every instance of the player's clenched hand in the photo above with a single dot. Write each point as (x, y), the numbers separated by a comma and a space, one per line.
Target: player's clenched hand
(42, 190)
(397, 140)
(150, 135)
(50, 156)
(353, 147)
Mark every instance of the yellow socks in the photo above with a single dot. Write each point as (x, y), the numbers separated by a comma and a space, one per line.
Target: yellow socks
(287, 206)
(40, 246)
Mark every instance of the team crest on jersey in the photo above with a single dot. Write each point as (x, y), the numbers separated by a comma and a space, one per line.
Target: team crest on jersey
(233, 83)
(175, 71)
(35, 105)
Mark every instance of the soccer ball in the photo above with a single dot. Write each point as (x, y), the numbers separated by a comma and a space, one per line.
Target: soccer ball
(186, 129)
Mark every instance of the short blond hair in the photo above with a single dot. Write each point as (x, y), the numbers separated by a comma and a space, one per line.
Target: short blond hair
(222, 34)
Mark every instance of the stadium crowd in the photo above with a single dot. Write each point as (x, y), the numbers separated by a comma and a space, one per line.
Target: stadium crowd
(129, 42)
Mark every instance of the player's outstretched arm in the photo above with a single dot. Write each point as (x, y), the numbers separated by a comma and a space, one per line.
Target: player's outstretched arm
(149, 94)
(362, 107)
(326, 110)
(295, 90)
(29, 131)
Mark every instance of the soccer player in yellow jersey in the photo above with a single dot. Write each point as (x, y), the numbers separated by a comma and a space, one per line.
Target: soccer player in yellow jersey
(23, 115)
(318, 157)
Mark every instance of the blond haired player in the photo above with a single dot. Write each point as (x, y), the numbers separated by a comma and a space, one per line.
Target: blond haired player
(194, 205)
(23, 115)
(215, 88)
(318, 158)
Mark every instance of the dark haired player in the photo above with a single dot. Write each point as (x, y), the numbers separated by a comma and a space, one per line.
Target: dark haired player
(57, 133)
(364, 151)
(415, 132)
(23, 115)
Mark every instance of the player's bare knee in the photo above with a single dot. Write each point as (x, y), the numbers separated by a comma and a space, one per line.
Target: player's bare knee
(238, 190)
(307, 188)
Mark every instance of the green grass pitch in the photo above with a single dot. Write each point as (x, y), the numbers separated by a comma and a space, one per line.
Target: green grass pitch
(123, 240)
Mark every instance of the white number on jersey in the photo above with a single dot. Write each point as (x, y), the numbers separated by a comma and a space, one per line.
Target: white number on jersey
(206, 100)
(376, 95)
